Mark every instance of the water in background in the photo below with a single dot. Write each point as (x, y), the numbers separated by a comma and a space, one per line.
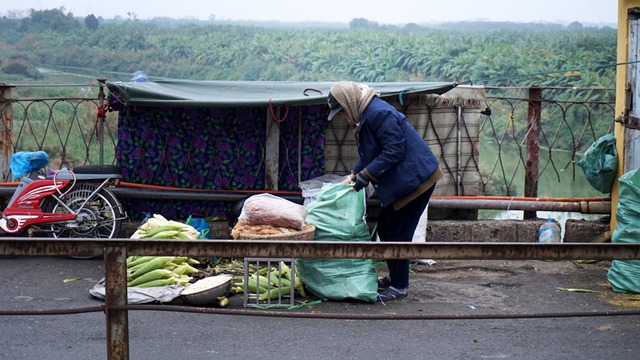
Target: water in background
(567, 183)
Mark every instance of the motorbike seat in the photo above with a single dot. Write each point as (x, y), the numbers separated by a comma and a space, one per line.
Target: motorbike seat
(97, 169)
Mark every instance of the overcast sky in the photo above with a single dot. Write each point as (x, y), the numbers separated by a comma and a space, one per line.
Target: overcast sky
(383, 12)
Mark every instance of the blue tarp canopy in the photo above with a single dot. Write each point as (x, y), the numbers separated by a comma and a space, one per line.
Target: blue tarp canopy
(189, 93)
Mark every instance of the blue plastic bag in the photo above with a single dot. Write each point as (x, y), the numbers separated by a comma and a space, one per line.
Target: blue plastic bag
(201, 225)
(25, 162)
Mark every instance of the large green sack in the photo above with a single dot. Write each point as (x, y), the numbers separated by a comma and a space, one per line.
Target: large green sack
(624, 275)
(339, 214)
(600, 163)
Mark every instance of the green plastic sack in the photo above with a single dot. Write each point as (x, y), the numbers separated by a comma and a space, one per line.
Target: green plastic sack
(339, 214)
(600, 163)
(624, 275)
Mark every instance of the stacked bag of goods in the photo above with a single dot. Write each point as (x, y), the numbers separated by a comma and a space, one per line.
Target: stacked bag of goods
(269, 216)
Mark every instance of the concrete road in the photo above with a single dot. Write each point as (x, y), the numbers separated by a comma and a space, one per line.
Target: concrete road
(457, 288)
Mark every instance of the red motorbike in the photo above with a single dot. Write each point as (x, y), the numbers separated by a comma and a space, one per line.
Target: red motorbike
(66, 204)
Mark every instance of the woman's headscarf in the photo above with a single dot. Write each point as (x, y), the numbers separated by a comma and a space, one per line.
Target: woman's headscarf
(353, 98)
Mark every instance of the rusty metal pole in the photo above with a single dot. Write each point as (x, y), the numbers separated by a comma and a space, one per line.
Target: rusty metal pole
(115, 263)
(6, 130)
(101, 117)
(533, 146)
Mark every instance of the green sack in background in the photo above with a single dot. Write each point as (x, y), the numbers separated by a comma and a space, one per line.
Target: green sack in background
(624, 275)
(339, 214)
(600, 163)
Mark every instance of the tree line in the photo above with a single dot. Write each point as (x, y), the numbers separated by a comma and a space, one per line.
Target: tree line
(363, 51)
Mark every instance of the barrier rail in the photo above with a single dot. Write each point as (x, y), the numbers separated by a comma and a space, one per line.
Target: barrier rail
(565, 120)
(115, 252)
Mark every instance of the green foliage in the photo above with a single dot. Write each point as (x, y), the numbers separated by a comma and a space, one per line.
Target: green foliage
(91, 22)
(20, 66)
(360, 23)
(366, 52)
(48, 20)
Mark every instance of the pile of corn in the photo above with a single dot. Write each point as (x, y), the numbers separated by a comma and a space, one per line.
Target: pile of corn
(158, 227)
(150, 271)
(271, 283)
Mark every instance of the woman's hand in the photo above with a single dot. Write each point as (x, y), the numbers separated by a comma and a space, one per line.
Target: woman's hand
(348, 180)
(361, 181)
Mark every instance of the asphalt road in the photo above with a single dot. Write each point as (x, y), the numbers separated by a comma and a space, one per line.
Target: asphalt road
(468, 291)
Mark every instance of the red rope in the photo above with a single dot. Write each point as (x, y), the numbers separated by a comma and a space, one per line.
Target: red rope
(274, 115)
(102, 114)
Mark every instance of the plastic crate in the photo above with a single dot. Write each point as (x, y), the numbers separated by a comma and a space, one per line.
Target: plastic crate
(285, 297)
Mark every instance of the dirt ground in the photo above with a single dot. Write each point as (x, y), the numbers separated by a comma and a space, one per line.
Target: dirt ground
(477, 287)
(508, 286)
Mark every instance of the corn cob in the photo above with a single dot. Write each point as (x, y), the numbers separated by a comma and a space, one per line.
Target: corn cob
(184, 280)
(157, 282)
(153, 231)
(180, 269)
(152, 275)
(133, 261)
(167, 234)
(255, 287)
(274, 293)
(180, 260)
(297, 284)
(285, 270)
(223, 301)
(156, 263)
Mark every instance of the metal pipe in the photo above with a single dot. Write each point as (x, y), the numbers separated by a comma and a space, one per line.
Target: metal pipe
(101, 117)
(383, 316)
(137, 193)
(594, 206)
(585, 207)
(116, 295)
(322, 249)
(321, 315)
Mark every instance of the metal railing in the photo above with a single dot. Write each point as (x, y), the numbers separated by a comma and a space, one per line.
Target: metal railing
(545, 128)
(526, 133)
(116, 251)
(49, 122)
(71, 122)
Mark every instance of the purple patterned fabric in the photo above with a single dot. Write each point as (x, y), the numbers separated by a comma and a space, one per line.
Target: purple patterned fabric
(213, 148)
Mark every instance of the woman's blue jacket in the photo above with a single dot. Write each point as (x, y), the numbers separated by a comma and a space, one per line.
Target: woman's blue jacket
(395, 156)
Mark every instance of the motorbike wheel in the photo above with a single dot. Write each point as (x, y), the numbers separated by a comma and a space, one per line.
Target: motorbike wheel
(98, 216)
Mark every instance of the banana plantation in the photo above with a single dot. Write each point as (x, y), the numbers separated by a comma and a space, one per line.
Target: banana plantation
(576, 68)
(211, 51)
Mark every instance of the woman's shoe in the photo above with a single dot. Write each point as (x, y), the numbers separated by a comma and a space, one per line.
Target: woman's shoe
(384, 283)
(391, 294)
